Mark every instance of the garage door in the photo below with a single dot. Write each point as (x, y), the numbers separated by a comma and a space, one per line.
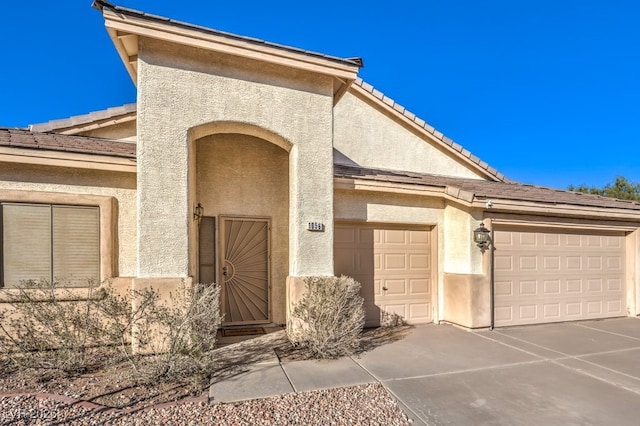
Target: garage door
(545, 277)
(393, 264)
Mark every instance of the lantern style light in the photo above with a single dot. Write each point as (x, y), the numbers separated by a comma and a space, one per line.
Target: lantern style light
(481, 237)
(198, 212)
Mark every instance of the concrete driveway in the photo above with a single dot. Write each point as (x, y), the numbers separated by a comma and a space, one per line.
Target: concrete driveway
(583, 373)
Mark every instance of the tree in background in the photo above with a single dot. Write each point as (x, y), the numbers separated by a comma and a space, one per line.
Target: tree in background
(621, 188)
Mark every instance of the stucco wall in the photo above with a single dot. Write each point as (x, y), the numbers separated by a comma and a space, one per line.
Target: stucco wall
(369, 138)
(180, 89)
(462, 255)
(122, 186)
(246, 176)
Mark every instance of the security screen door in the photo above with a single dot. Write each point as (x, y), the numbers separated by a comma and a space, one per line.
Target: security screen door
(245, 270)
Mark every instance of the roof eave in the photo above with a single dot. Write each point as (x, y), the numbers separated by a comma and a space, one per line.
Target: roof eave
(555, 209)
(125, 27)
(75, 160)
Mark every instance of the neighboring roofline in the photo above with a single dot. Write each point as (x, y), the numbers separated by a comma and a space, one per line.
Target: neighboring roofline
(452, 189)
(53, 149)
(388, 105)
(44, 157)
(123, 22)
(91, 121)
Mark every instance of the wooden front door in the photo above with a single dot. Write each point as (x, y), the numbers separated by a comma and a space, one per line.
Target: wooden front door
(245, 270)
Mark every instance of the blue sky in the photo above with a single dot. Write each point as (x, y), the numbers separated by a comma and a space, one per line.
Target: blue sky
(546, 91)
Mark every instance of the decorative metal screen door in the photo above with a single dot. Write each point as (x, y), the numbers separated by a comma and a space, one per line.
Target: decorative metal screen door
(245, 270)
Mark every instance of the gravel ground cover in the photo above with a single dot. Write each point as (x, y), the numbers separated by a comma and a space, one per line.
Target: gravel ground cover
(359, 405)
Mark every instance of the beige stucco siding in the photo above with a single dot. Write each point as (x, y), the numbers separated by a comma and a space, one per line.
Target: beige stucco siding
(119, 131)
(121, 186)
(370, 138)
(463, 257)
(182, 89)
(240, 175)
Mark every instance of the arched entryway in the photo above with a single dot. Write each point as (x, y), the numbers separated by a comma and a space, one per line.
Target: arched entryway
(242, 182)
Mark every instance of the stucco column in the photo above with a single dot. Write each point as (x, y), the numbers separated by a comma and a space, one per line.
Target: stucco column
(163, 183)
(311, 200)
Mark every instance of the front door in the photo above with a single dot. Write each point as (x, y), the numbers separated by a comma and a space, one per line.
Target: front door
(245, 270)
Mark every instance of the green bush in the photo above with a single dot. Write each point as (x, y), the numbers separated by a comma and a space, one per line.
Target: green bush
(329, 317)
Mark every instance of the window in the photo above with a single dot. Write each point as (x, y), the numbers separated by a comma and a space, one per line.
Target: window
(51, 242)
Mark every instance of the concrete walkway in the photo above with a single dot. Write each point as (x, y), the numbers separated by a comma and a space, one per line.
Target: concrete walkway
(558, 374)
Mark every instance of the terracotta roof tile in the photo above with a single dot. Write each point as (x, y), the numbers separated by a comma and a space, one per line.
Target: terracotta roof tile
(23, 138)
(484, 190)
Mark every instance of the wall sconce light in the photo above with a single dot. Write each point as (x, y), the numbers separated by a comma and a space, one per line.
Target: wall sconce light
(482, 238)
(198, 212)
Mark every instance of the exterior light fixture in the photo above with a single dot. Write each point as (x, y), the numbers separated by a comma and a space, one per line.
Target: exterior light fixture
(198, 212)
(481, 237)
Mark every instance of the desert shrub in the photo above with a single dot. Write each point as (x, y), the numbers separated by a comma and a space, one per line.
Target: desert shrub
(181, 335)
(330, 317)
(50, 328)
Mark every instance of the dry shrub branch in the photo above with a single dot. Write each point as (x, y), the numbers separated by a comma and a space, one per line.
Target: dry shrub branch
(50, 327)
(330, 317)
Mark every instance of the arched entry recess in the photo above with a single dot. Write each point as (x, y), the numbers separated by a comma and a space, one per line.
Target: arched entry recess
(240, 175)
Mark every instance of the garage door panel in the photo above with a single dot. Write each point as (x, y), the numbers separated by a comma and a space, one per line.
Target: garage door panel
(503, 263)
(344, 236)
(420, 286)
(420, 312)
(614, 284)
(547, 277)
(397, 287)
(396, 263)
(551, 287)
(419, 262)
(551, 311)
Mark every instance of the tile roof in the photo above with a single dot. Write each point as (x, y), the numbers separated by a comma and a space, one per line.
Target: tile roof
(485, 190)
(481, 189)
(77, 120)
(100, 4)
(430, 129)
(23, 138)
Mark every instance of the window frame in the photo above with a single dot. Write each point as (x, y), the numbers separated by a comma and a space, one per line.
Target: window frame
(107, 223)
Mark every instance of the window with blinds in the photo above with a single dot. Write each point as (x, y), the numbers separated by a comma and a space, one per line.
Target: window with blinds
(49, 242)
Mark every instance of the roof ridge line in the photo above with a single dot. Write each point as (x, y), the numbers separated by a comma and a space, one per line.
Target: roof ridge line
(429, 129)
(92, 116)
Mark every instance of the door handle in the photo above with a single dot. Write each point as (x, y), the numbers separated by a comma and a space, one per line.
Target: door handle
(224, 271)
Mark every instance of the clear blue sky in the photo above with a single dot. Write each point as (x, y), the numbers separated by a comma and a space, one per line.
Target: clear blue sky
(546, 91)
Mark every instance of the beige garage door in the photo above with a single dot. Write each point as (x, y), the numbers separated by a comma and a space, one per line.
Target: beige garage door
(545, 277)
(394, 266)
